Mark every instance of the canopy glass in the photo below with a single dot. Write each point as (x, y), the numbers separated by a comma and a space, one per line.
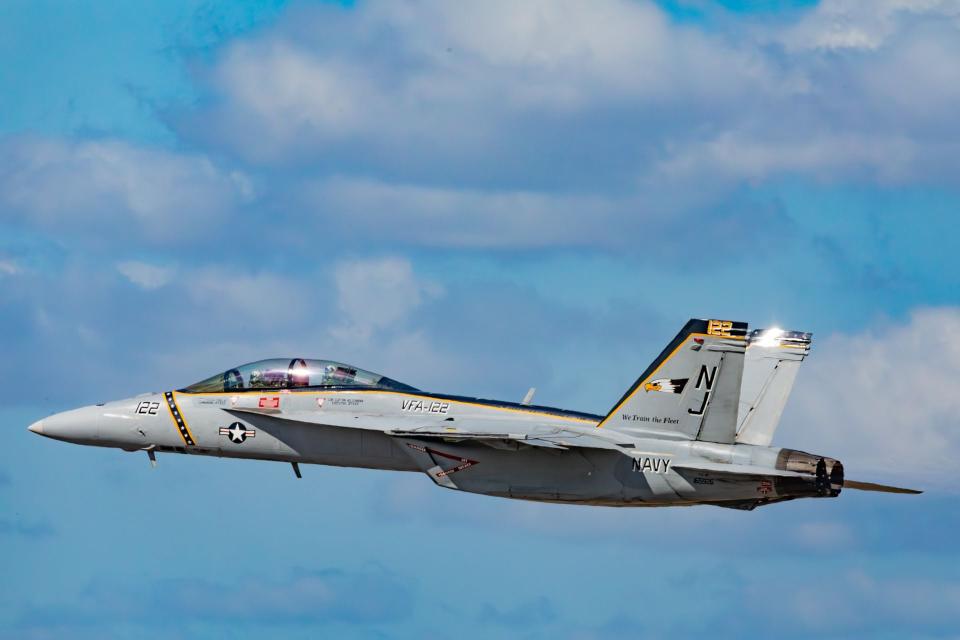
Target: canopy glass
(293, 373)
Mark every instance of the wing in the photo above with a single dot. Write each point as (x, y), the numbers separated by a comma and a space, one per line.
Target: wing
(495, 440)
(427, 444)
(493, 432)
(337, 419)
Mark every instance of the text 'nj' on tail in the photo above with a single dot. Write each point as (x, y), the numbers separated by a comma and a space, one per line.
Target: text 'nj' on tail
(692, 389)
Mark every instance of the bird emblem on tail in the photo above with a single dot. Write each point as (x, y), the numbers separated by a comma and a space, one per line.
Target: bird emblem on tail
(666, 385)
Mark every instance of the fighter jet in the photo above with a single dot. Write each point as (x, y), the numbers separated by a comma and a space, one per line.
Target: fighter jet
(695, 428)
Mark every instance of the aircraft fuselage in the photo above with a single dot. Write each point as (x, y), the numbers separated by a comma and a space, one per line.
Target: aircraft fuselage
(353, 428)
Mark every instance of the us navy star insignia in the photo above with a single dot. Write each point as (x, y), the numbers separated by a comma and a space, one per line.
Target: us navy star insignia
(237, 432)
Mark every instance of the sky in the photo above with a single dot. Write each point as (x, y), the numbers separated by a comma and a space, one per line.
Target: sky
(475, 198)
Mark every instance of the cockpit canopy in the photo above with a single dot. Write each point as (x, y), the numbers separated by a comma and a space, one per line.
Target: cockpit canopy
(293, 373)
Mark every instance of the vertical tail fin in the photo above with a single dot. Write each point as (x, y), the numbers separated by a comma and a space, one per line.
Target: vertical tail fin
(692, 390)
(770, 367)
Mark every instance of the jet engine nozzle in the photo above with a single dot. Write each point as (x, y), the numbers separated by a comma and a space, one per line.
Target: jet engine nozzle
(827, 472)
(829, 484)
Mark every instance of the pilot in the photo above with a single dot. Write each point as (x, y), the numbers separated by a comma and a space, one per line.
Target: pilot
(232, 380)
(329, 375)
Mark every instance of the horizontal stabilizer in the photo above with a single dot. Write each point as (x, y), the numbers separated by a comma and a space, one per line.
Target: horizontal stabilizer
(872, 486)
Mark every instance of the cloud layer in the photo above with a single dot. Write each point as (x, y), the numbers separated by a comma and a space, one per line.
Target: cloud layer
(477, 198)
(100, 187)
(608, 125)
(570, 117)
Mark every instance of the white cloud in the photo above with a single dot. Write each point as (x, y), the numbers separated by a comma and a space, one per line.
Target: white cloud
(288, 91)
(375, 294)
(236, 298)
(9, 267)
(858, 24)
(884, 401)
(565, 54)
(734, 156)
(95, 185)
(551, 123)
(544, 123)
(438, 216)
(455, 77)
(146, 276)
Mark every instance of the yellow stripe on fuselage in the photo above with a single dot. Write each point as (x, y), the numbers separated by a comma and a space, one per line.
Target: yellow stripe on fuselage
(179, 420)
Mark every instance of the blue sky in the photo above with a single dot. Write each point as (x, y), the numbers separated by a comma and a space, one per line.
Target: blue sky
(475, 198)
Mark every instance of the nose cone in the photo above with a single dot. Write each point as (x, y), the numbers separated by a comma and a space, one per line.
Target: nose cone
(81, 426)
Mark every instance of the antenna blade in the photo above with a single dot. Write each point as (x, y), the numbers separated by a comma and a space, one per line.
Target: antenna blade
(527, 399)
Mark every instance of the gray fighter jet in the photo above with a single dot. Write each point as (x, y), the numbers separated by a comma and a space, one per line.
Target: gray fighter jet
(695, 428)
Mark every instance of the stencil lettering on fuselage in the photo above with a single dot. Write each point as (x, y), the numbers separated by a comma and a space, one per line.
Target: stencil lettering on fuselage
(420, 406)
(651, 464)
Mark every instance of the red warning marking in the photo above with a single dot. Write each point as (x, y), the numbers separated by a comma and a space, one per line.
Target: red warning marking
(464, 462)
(270, 403)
